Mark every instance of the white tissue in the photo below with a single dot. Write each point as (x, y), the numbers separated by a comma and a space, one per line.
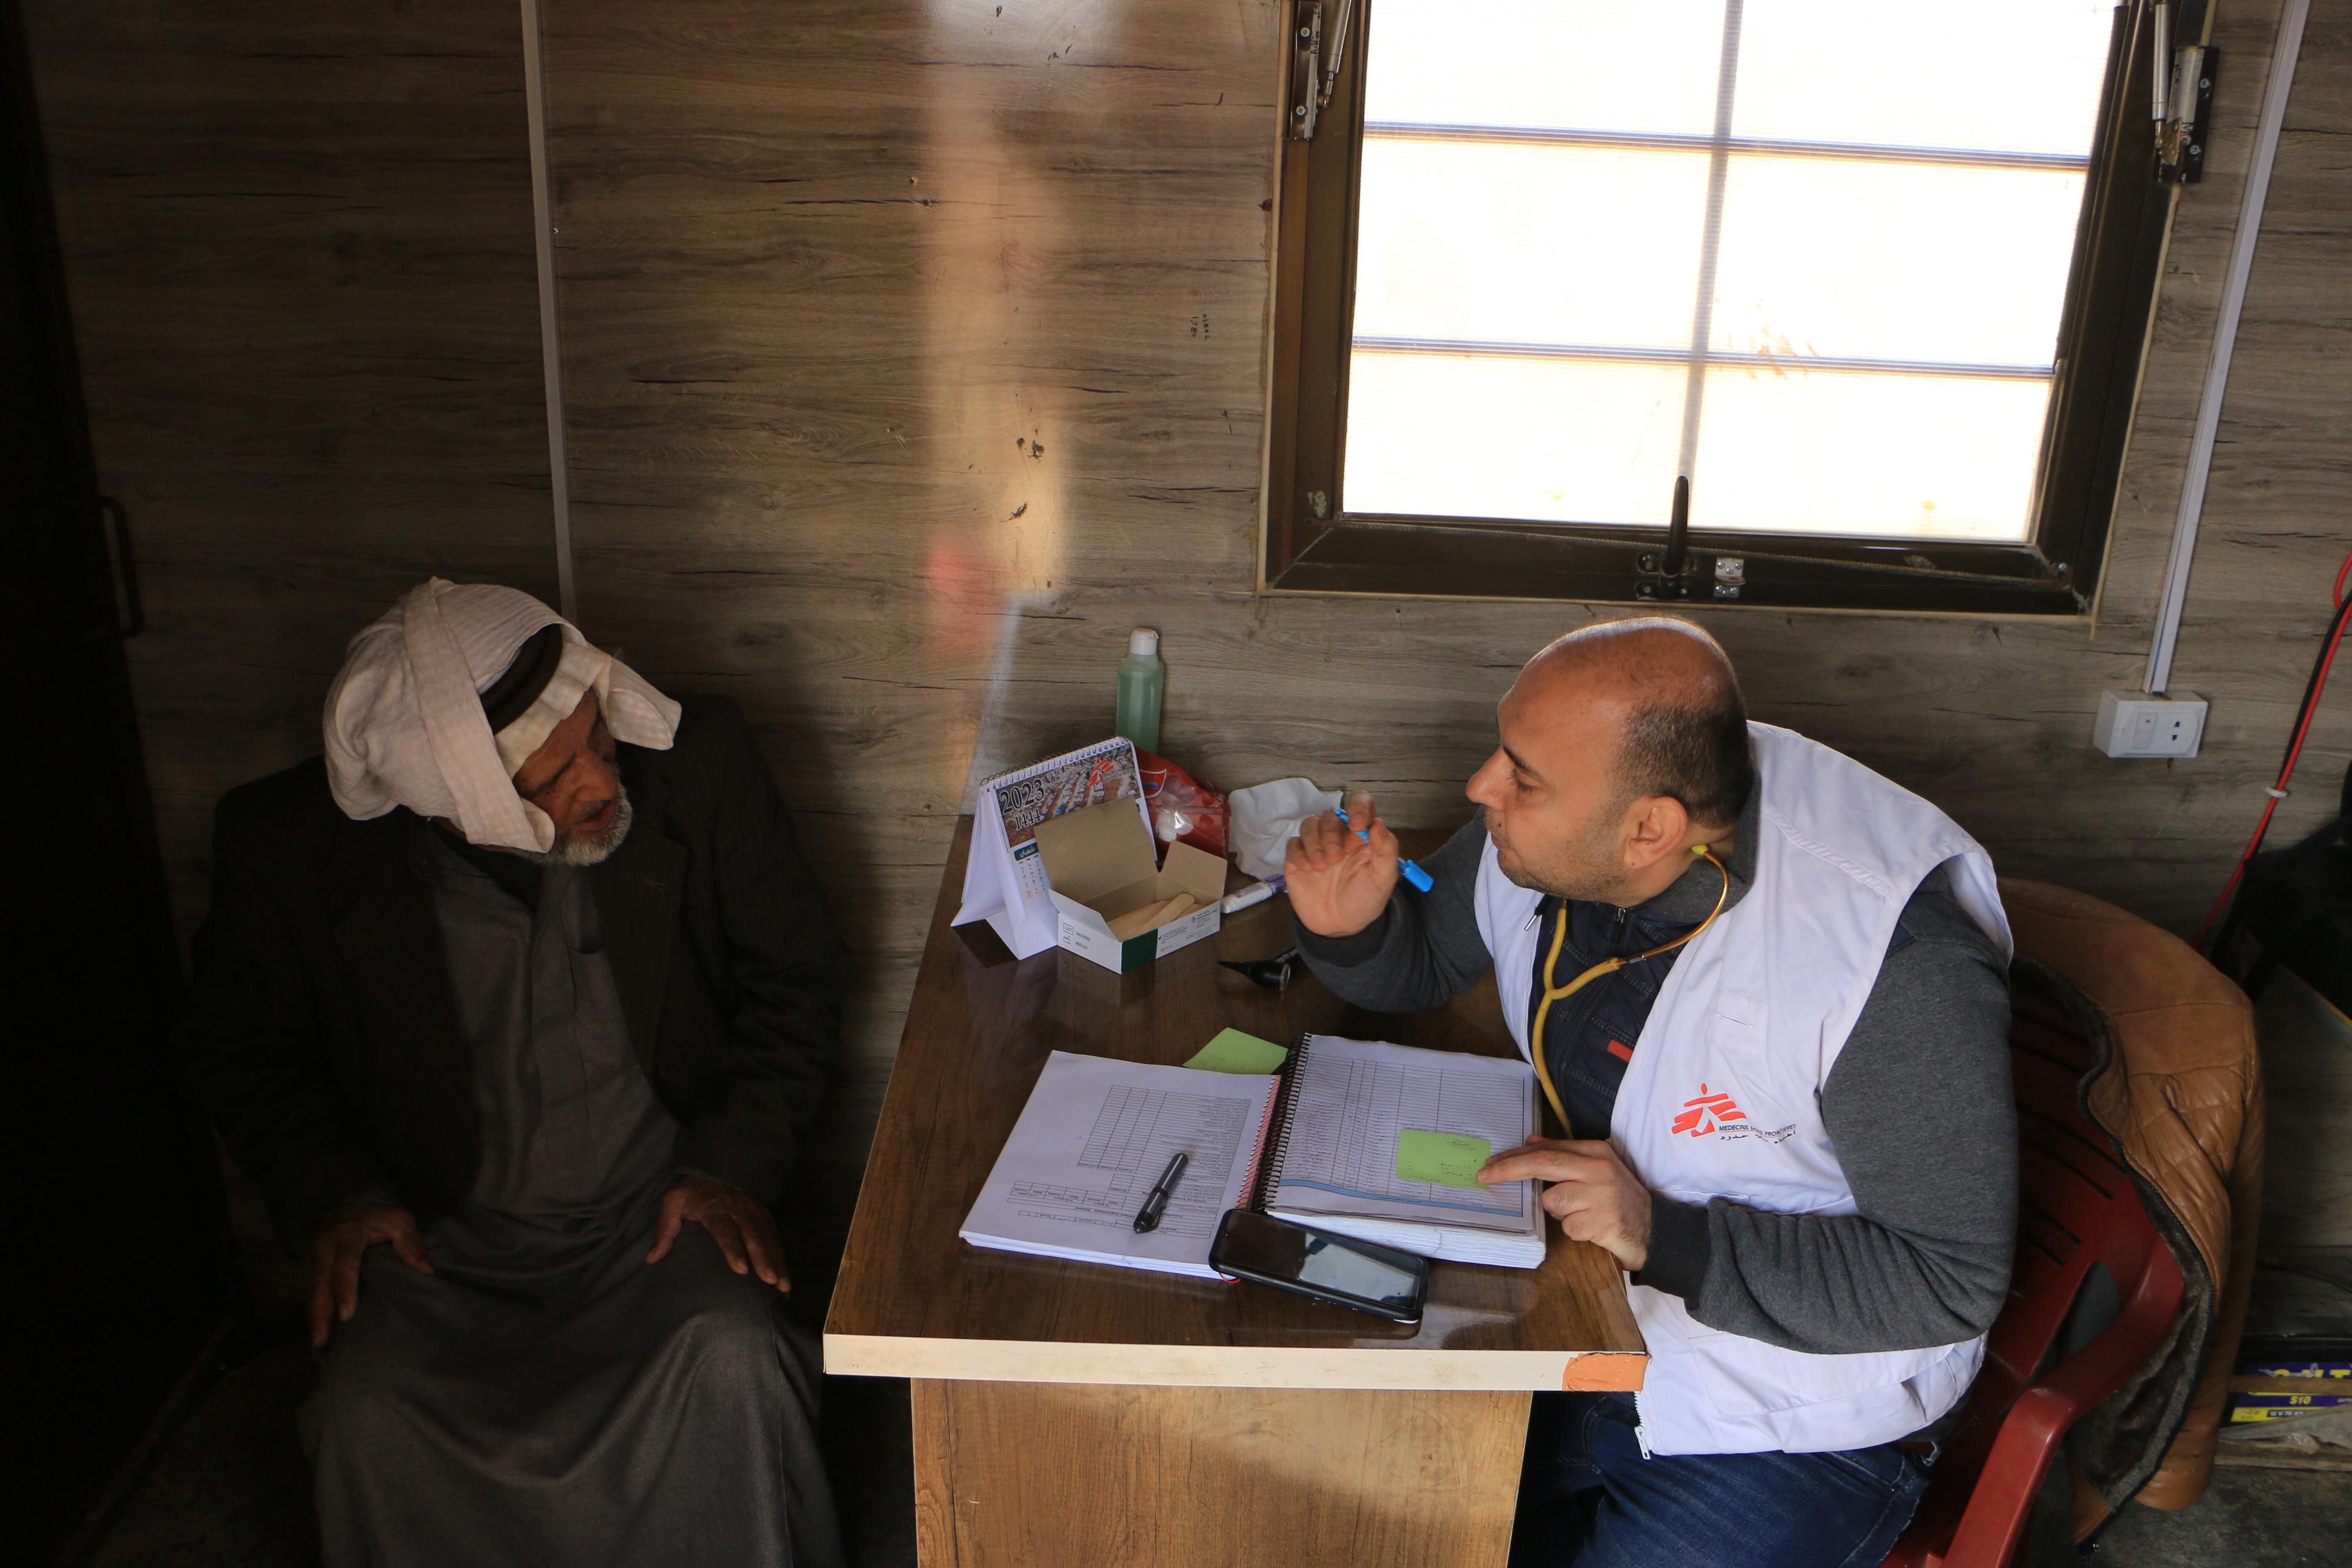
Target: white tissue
(1265, 818)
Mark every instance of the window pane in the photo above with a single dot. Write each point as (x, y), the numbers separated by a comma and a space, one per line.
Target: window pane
(1929, 457)
(1634, 65)
(1931, 270)
(1598, 246)
(1901, 261)
(1552, 440)
(2019, 76)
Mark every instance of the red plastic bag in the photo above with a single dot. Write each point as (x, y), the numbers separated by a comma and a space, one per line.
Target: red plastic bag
(1183, 809)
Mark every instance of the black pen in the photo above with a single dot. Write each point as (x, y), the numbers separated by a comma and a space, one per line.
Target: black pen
(1148, 1216)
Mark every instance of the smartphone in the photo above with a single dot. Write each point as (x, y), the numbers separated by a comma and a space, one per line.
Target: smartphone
(1339, 1269)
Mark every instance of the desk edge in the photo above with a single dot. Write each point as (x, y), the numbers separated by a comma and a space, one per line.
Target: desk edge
(1229, 1366)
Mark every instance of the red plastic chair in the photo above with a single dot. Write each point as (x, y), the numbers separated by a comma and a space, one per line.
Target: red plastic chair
(2076, 1206)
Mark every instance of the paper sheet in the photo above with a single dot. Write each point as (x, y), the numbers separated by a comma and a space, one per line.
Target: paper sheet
(1444, 1159)
(1091, 1142)
(1233, 1051)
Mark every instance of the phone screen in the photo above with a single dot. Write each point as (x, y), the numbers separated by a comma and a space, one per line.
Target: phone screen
(1263, 1244)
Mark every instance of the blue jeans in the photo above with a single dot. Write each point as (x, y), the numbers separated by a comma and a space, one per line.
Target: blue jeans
(1588, 1497)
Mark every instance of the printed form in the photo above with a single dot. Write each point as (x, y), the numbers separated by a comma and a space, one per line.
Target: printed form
(1354, 1096)
(1091, 1144)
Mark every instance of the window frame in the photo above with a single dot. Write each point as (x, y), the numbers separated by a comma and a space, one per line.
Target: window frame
(2102, 342)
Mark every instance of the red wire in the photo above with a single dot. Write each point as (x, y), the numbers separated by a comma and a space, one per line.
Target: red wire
(2303, 728)
(2294, 753)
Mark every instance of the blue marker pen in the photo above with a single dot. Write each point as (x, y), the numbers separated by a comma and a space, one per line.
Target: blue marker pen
(1406, 869)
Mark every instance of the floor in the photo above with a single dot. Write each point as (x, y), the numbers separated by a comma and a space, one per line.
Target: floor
(230, 1490)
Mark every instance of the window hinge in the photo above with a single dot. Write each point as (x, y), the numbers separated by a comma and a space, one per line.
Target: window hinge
(1315, 57)
(2182, 94)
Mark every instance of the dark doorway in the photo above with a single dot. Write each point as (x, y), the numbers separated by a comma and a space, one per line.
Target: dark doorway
(115, 1241)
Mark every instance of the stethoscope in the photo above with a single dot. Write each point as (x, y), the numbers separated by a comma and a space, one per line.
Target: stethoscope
(1606, 966)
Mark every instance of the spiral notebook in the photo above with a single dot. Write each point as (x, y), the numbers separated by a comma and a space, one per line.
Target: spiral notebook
(1315, 1143)
(1334, 1160)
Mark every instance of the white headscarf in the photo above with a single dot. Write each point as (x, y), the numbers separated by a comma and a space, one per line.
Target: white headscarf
(404, 721)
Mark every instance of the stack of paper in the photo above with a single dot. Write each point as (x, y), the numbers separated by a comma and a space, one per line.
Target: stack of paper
(1092, 1141)
(1378, 1142)
(1382, 1141)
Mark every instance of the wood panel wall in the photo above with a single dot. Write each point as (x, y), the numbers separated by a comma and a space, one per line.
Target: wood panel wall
(299, 245)
(298, 241)
(915, 352)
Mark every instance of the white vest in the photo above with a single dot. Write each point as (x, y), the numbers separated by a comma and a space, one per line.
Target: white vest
(1723, 1096)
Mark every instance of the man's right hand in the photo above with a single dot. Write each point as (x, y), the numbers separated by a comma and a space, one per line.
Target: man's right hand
(1338, 883)
(344, 1236)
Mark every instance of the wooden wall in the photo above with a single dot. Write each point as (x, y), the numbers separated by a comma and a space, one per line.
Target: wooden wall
(920, 352)
(915, 352)
(298, 242)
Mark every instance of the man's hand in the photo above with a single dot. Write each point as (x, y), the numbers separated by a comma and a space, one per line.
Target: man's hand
(344, 1236)
(1595, 1197)
(1338, 883)
(736, 1220)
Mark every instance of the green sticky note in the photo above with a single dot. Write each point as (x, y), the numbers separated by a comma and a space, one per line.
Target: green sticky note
(1447, 1159)
(1233, 1051)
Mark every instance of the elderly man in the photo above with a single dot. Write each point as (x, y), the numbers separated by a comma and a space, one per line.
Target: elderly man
(1765, 991)
(517, 1005)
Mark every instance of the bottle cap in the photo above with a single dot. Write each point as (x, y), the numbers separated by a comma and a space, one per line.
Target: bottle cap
(1143, 640)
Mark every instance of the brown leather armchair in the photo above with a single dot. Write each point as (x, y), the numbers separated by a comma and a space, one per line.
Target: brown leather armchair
(2181, 1092)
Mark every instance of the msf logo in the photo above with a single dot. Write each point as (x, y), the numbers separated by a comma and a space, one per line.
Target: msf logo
(1703, 1113)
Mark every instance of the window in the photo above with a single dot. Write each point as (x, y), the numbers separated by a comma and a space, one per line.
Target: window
(1875, 277)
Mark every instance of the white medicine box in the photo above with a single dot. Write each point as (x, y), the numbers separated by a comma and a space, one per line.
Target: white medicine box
(1110, 896)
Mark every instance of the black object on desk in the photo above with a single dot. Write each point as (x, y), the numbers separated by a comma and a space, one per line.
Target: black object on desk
(1339, 1270)
(1148, 1217)
(1274, 974)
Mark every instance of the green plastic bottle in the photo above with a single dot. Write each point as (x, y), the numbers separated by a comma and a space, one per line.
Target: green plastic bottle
(1142, 679)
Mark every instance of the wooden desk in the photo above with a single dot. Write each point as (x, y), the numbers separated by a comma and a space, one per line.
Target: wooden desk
(1067, 1413)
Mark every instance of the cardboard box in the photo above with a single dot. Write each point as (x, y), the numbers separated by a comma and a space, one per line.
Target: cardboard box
(1101, 867)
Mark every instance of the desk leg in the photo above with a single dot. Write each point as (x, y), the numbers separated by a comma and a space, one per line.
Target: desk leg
(1041, 1475)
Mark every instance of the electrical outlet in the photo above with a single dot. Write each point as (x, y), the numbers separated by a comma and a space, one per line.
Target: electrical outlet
(2134, 724)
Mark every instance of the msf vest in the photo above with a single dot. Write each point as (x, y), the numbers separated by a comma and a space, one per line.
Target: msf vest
(1722, 1099)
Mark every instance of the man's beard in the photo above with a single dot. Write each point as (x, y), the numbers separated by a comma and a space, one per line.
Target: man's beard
(596, 850)
(1583, 869)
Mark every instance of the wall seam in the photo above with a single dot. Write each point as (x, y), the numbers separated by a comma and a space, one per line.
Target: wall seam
(551, 342)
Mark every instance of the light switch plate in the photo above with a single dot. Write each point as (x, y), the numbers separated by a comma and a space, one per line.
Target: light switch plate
(2135, 724)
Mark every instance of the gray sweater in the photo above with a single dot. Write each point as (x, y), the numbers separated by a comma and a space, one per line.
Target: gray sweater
(1918, 1107)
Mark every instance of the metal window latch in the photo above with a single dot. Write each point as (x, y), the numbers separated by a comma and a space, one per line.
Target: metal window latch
(1670, 573)
(2182, 95)
(1315, 57)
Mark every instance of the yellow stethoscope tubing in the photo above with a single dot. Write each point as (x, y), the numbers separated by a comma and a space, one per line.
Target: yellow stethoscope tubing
(1606, 966)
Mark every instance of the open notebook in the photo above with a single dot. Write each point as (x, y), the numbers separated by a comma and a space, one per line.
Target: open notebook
(1334, 1162)
(1317, 1143)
